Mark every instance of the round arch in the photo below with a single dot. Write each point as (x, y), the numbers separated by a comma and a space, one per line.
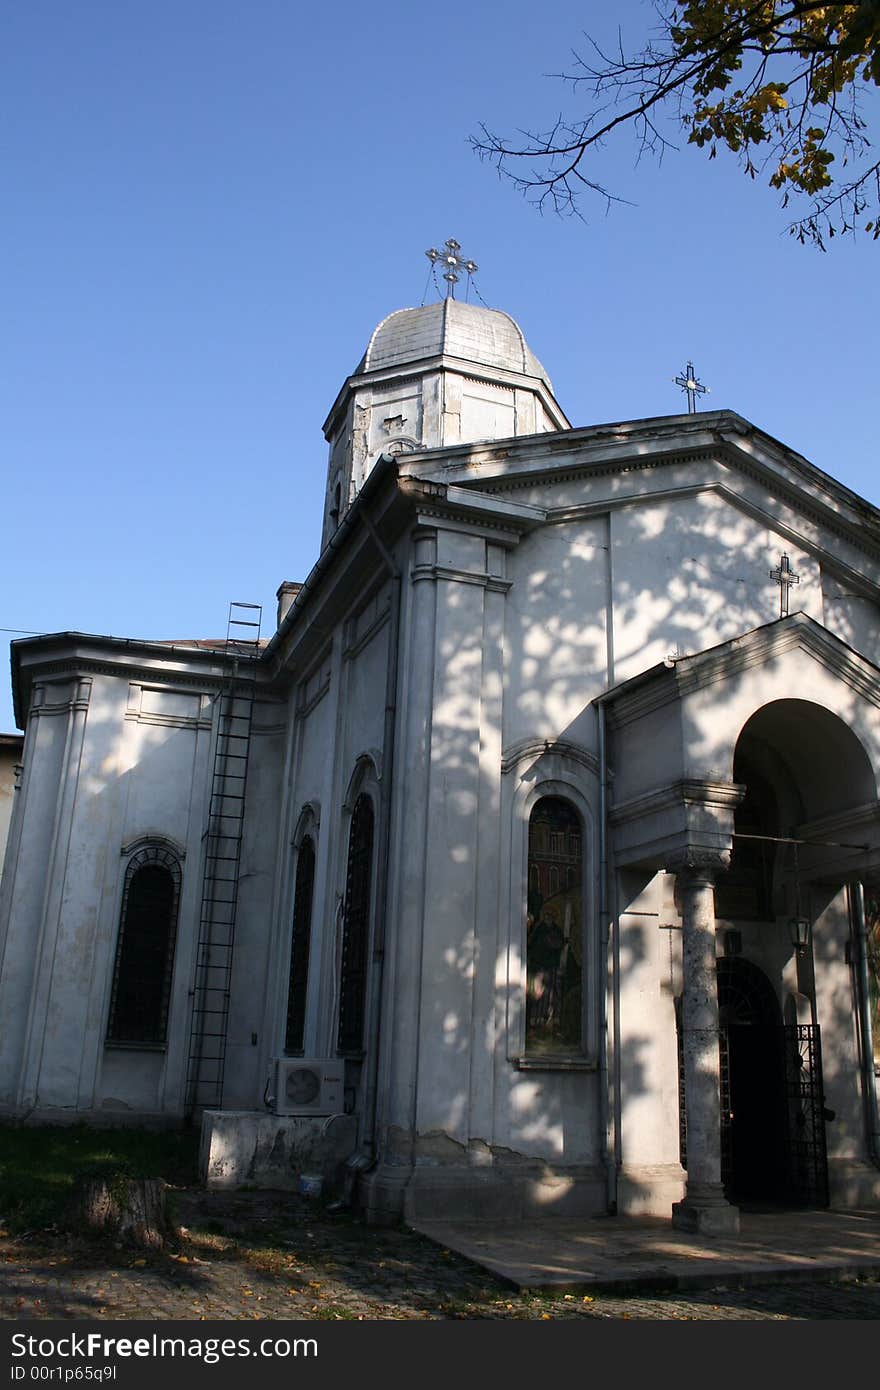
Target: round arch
(811, 754)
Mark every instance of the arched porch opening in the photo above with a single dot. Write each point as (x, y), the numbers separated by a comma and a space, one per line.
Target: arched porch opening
(807, 780)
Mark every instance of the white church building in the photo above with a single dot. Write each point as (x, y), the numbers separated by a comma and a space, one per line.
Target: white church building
(529, 867)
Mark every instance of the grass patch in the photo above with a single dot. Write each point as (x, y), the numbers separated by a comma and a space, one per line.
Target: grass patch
(39, 1165)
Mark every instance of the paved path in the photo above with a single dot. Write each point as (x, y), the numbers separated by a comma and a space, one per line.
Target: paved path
(267, 1256)
(610, 1253)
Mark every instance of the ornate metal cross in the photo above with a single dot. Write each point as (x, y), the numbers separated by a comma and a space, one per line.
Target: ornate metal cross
(785, 577)
(688, 382)
(454, 262)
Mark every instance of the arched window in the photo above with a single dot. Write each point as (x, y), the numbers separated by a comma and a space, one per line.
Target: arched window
(554, 929)
(145, 949)
(299, 946)
(356, 928)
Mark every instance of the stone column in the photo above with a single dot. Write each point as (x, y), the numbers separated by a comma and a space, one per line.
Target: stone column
(705, 1208)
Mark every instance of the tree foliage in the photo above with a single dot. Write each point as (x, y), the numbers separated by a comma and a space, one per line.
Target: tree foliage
(781, 83)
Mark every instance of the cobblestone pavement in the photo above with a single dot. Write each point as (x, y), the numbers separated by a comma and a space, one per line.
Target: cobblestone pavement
(272, 1256)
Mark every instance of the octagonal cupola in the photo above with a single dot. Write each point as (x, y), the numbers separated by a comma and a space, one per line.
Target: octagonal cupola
(443, 374)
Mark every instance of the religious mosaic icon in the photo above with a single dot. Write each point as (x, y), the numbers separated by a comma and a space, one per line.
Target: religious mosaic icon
(554, 939)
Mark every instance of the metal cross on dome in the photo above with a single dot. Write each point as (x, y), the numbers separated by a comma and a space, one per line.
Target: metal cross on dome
(785, 577)
(454, 262)
(689, 383)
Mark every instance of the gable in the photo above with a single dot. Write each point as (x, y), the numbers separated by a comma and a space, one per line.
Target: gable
(602, 469)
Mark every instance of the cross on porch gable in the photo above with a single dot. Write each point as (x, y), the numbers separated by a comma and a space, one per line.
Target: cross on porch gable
(785, 577)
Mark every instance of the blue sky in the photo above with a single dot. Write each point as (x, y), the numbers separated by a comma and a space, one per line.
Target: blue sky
(207, 206)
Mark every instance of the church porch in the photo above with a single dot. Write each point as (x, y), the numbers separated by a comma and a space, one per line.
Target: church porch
(743, 825)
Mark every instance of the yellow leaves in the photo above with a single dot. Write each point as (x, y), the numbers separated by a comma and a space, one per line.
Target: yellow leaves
(774, 99)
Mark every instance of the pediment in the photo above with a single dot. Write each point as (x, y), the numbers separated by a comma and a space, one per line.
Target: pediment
(680, 676)
(575, 474)
(674, 731)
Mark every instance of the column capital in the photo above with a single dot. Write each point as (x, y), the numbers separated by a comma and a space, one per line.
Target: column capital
(697, 863)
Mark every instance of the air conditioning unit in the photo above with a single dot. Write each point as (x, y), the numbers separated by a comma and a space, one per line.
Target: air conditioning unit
(309, 1086)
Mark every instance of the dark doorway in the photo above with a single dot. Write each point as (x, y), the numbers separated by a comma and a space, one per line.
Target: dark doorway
(772, 1121)
(753, 1165)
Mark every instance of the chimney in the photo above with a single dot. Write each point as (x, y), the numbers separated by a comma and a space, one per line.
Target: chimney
(286, 597)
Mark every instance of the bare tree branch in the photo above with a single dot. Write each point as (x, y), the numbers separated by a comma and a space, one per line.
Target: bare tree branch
(779, 79)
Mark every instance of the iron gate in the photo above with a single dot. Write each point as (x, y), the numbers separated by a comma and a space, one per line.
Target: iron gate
(805, 1151)
(805, 1176)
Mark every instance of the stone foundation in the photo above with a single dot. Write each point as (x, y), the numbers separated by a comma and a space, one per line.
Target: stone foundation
(650, 1190)
(461, 1192)
(243, 1147)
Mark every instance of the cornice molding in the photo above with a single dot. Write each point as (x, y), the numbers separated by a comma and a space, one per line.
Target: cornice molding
(464, 367)
(827, 511)
(726, 796)
(492, 582)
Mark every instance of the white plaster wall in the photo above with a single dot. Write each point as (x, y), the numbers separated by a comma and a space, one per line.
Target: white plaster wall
(555, 637)
(23, 891)
(678, 575)
(395, 411)
(853, 617)
(694, 572)
(247, 1048)
(471, 1103)
(836, 1015)
(124, 765)
(646, 949)
(487, 412)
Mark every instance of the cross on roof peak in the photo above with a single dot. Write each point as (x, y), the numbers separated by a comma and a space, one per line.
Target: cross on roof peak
(452, 259)
(689, 383)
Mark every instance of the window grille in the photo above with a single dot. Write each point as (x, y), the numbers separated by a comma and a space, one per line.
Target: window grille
(356, 927)
(300, 946)
(145, 950)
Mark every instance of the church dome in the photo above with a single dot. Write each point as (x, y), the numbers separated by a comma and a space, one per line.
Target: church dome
(487, 337)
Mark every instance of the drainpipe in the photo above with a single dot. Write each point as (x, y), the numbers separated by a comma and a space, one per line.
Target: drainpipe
(384, 854)
(608, 1119)
(857, 900)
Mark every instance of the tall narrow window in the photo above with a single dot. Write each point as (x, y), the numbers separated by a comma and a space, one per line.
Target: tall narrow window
(299, 946)
(872, 923)
(145, 949)
(336, 507)
(356, 928)
(554, 936)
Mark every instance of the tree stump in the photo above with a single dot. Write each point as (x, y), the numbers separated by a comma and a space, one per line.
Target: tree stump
(134, 1210)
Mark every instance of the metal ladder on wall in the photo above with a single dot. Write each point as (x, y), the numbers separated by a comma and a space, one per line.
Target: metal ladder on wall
(223, 837)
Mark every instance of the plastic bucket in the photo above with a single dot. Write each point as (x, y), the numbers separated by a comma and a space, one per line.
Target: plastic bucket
(310, 1185)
